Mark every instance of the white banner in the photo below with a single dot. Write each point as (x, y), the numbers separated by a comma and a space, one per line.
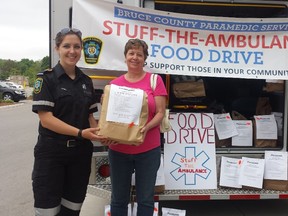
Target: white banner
(183, 44)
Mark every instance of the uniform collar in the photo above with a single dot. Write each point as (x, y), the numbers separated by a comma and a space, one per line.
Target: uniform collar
(59, 70)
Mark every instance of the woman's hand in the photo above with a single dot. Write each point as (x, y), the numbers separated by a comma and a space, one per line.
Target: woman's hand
(92, 134)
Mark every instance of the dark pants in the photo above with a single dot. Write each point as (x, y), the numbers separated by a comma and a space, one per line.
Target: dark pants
(60, 176)
(122, 166)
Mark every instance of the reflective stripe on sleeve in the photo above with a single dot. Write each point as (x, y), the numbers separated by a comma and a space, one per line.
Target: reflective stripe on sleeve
(47, 212)
(71, 205)
(93, 106)
(45, 103)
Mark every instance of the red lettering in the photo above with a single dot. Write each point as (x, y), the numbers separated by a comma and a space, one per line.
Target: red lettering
(106, 24)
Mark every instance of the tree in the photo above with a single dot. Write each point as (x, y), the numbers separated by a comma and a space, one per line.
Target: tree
(25, 67)
(45, 63)
(8, 67)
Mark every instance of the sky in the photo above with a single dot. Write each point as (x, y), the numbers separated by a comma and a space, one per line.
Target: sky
(24, 29)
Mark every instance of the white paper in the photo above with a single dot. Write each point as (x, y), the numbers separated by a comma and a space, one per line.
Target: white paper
(229, 173)
(252, 172)
(190, 166)
(174, 212)
(266, 127)
(107, 211)
(245, 133)
(275, 165)
(155, 213)
(224, 126)
(124, 105)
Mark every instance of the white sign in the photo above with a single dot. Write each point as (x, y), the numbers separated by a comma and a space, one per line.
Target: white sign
(252, 172)
(124, 104)
(190, 166)
(189, 152)
(182, 43)
(155, 212)
(230, 170)
(275, 165)
(245, 133)
(266, 127)
(174, 212)
(224, 126)
(191, 128)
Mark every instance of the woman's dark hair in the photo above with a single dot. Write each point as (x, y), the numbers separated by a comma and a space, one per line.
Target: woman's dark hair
(136, 43)
(66, 31)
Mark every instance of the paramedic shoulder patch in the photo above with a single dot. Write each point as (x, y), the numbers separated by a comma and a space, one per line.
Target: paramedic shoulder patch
(38, 85)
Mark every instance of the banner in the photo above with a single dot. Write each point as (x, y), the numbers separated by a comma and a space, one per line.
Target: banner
(181, 43)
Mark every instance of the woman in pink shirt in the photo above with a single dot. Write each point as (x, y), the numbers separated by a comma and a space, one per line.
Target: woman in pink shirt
(144, 159)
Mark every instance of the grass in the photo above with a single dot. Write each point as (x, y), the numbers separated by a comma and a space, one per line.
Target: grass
(6, 102)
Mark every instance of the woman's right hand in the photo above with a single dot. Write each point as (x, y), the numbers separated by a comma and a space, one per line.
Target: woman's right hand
(92, 134)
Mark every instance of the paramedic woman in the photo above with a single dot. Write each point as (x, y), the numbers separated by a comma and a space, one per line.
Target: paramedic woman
(64, 99)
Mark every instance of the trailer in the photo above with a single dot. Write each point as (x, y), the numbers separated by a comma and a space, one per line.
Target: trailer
(239, 93)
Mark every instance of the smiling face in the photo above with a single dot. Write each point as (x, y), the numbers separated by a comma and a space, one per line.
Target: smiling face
(69, 50)
(135, 59)
(136, 53)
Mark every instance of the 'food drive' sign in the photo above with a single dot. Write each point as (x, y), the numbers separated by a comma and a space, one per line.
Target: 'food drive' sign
(190, 159)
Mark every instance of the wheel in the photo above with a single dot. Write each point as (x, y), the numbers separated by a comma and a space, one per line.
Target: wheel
(7, 96)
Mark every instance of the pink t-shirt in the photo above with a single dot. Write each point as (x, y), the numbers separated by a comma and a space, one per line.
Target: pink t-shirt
(152, 138)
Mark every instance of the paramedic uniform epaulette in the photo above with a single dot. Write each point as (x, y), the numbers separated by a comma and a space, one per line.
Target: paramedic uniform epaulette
(45, 71)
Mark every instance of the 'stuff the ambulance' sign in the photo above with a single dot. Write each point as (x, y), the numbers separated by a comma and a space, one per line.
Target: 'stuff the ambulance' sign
(184, 44)
(189, 152)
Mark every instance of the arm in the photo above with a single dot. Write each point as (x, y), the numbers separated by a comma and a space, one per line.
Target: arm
(92, 121)
(52, 123)
(160, 102)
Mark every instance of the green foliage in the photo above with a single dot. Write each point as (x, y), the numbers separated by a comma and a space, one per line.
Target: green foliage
(25, 67)
(45, 63)
(7, 101)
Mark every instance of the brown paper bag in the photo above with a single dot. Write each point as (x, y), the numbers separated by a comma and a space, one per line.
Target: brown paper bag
(275, 87)
(237, 116)
(263, 108)
(262, 143)
(189, 89)
(222, 143)
(279, 185)
(122, 132)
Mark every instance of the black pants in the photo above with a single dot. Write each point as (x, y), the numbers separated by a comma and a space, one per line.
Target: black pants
(60, 175)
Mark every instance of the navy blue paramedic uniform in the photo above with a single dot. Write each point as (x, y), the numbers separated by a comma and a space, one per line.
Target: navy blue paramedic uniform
(62, 163)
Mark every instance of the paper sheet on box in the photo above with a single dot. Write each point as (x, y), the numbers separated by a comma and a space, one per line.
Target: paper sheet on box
(266, 127)
(224, 126)
(124, 104)
(252, 172)
(275, 165)
(245, 133)
(229, 173)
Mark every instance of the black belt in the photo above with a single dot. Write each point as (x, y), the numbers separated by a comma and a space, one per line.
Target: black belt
(70, 143)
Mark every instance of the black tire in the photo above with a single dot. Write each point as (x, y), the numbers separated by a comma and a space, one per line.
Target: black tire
(7, 96)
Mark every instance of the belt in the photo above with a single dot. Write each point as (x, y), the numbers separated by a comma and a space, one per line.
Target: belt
(70, 143)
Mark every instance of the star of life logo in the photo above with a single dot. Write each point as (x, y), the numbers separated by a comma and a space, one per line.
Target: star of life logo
(190, 166)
